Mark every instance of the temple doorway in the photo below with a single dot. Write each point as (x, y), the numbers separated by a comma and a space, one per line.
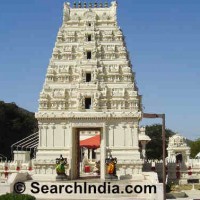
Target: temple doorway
(179, 158)
(86, 153)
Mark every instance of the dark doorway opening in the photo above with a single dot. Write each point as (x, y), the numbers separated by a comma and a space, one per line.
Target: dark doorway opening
(89, 38)
(88, 77)
(179, 158)
(89, 54)
(87, 103)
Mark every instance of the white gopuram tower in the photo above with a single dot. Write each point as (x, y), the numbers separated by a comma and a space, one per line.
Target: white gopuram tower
(90, 85)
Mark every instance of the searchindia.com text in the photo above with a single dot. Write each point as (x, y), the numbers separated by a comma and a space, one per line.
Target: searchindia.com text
(85, 188)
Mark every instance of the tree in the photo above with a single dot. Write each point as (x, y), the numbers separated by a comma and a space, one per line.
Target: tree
(15, 124)
(195, 147)
(154, 147)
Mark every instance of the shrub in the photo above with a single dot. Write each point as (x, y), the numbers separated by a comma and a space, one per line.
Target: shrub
(10, 196)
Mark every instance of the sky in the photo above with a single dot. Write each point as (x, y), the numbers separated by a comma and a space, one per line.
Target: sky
(162, 37)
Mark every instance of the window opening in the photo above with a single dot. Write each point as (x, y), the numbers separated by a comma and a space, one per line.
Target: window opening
(88, 77)
(89, 54)
(87, 103)
(89, 38)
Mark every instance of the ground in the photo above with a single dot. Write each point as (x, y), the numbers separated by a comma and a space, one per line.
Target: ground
(184, 192)
(179, 188)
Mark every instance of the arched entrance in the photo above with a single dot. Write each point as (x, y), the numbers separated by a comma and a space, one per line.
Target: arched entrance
(179, 158)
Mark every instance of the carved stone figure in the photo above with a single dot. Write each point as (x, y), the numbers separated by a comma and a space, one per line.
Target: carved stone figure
(79, 100)
(60, 168)
(111, 167)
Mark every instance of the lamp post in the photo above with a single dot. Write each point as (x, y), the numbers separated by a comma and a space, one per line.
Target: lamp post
(148, 115)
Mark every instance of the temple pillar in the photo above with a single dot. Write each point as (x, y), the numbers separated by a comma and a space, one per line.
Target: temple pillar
(135, 136)
(103, 151)
(90, 154)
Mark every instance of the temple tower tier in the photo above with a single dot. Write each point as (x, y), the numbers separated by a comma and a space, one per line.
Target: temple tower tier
(90, 85)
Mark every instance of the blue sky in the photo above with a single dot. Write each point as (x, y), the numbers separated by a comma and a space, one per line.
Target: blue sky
(163, 38)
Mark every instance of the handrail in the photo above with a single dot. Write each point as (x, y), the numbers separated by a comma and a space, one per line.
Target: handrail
(31, 142)
(31, 145)
(24, 138)
(1, 155)
(27, 141)
(21, 144)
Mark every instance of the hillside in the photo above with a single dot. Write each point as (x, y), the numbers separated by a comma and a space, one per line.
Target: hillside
(15, 124)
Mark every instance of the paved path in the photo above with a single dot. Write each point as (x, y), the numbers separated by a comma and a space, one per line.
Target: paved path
(191, 195)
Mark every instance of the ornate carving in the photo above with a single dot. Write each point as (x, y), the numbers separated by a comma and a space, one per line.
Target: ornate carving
(90, 15)
(79, 100)
(59, 93)
(65, 84)
(75, 17)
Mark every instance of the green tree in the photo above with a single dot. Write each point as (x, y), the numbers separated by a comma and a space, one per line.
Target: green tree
(195, 147)
(154, 147)
(15, 124)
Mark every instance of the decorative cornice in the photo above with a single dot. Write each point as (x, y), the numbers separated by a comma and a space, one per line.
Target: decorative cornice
(87, 115)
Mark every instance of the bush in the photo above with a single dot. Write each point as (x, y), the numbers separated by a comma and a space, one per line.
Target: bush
(170, 187)
(16, 197)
